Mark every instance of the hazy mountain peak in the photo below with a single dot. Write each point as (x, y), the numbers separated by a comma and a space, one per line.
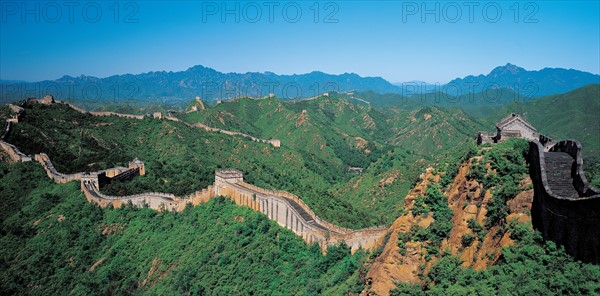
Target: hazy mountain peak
(507, 69)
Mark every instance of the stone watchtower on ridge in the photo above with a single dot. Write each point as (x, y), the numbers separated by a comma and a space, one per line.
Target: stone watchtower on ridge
(137, 164)
(228, 176)
(509, 127)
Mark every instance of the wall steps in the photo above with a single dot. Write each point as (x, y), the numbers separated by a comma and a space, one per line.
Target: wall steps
(559, 166)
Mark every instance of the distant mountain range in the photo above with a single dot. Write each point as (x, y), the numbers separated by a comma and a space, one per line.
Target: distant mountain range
(211, 85)
(530, 84)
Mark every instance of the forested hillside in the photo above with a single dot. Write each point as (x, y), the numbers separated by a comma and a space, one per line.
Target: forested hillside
(337, 131)
(52, 241)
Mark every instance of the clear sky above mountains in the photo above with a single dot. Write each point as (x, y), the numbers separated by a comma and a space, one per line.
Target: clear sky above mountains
(397, 40)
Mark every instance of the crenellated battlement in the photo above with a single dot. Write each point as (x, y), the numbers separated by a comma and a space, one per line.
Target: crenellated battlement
(228, 176)
(566, 207)
(287, 209)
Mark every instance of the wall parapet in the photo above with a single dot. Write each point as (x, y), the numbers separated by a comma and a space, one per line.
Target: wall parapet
(290, 212)
(14, 153)
(153, 200)
(299, 201)
(574, 148)
(571, 221)
(52, 173)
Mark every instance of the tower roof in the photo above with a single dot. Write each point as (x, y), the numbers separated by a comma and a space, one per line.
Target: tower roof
(512, 118)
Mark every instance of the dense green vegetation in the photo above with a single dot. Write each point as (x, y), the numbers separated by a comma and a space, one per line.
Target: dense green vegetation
(507, 164)
(592, 173)
(54, 242)
(530, 267)
(321, 139)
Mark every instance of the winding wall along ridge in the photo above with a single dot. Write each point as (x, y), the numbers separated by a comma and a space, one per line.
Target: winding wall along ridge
(273, 142)
(287, 209)
(571, 220)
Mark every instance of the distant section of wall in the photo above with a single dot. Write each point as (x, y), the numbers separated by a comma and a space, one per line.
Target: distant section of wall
(159, 115)
(571, 221)
(272, 142)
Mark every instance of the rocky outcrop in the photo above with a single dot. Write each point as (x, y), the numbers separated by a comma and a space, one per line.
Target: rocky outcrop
(393, 266)
(566, 207)
(468, 201)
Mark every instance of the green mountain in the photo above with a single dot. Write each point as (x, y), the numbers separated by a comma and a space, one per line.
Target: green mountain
(572, 115)
(53, 241)
(321, 139)
(339, 131)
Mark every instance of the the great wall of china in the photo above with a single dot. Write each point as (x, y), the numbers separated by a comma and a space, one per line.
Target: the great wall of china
(286, 209)
(566, 207)
(158, 115)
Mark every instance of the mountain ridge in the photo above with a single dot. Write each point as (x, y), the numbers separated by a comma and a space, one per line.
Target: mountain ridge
(530, 83)
(212, 85)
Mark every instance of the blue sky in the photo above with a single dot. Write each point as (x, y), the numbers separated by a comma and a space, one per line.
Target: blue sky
(391, 39)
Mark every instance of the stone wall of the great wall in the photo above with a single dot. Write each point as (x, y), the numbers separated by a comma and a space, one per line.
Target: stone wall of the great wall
(291, 212)
(286, 209)
(569, 221)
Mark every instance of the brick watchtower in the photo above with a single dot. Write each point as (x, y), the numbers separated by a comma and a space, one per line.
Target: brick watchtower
(137, 164)
(228, 176)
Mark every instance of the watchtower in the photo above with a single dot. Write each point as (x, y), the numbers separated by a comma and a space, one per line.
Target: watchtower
(137, 164)
(87, 178)
(275, 142)
(228, 176)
